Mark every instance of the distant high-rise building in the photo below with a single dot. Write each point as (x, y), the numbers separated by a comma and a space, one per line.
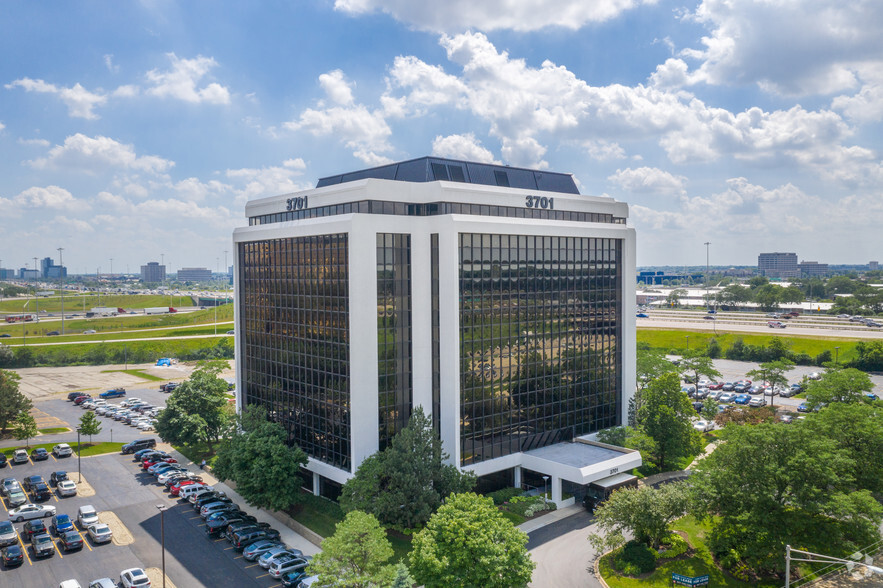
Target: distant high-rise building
(153, 273)
(194, 274)
(813, 268)
(873, 266)
(48, 269)
(778, 265)
(29, 274)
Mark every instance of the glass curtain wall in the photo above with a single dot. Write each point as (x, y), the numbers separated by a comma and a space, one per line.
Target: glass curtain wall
(540, 328)
(393, 334)
(294, 319)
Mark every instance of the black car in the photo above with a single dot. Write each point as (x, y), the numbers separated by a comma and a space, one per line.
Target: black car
(182, 476)
(3, 460)
(31, 481)
(246, 537)
(71, 540)
(73, 395)
(137, 444)
(41, 491)
(13, 556)
(42, 545)
(217, 526)
(292, 579)
(236, 527)
(210, 498)
(34, 527)
(142, 452)
(81, 399)
(39, 454)
(56, 477)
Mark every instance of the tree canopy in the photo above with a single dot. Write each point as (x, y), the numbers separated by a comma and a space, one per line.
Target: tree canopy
(89, 424)
(838, 385)
(25, 427)
(406, 482)
(356, 556)
(773, 373)
(696, 364)
(12, 402)
(469, 543)
(665, 418)
(644, 513)
(197, 410)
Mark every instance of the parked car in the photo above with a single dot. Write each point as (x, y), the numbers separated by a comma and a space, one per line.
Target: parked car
(787, 419)
(13, 555)
(702, 426)
(217, 523)
(728, 387)
(42, 545)
(103, 583)
(8, 485)
(41, 491)
(20, 456)
(62, 523)
(71, 540)
(757, 401)
(134, 578)
(30, 481)
(246, 537)
(99, 533)
(294, 579)
(3, 460)
(74, 395)
(286, 566)
(815, 376)
(34, 527)
(87, 515)
(62, 450)
(8, 535)
(742, 399)
(804, 407)
(255, 550)
(79, 400)
(137, 444)
(212, 508)
(274, 555)
(67, 488)
(56, 477)
(113, 393)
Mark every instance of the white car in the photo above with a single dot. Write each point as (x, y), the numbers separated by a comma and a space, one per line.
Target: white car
(69, 584)
(67, 488)
(815, 376)
(164, 477)
(87, 515)
(145, 426)
(99, 533)
(62, 450)
(702, 426)
(31, 511)
(130, 401)
(757, 401)
(134, 578)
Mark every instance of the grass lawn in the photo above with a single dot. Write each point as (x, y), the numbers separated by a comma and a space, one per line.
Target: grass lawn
(699, 564)
(137, 373)
(671, 339)
(53, 430)
(87, 448)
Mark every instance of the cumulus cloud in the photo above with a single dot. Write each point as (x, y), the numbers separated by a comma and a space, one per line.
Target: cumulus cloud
(50, 197)
(336, 87)
(109, 64)
(867, 104)
(602, 149)
(649, 180)
(794, 48)
(35, 142)
(93, 154)
(182, 80)
(79, 101)
(462, 147)
(488, 15)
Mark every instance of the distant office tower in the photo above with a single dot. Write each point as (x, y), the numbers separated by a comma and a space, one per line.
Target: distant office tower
(778, 265)
(153, 273)
(813, 268)
(48, 269)
(873, 266)
(194, 274)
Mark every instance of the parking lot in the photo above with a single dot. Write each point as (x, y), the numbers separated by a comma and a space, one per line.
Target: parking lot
(124, 491)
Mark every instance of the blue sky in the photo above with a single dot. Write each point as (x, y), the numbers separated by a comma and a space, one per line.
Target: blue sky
(135, 129)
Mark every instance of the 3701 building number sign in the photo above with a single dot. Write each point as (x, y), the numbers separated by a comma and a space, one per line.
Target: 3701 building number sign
(539, 202)
(298, 203)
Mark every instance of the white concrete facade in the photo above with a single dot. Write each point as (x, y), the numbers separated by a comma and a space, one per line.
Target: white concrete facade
(362, 230)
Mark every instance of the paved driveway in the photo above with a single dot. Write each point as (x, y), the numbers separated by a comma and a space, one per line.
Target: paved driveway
(563, 553)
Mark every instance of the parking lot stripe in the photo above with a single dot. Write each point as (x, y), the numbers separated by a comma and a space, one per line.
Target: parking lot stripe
(4, 505)
(221, 539)
(57, 549)
(228, 548)
(251, 566)
(264, 575)
(24, 549)
(86, 543)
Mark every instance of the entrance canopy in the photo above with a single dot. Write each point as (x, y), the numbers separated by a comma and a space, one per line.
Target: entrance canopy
(581, 461)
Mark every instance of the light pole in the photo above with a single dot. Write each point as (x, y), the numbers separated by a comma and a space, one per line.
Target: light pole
(687, 337)
(36, 298)
(707, 300)
(79, 452)
(162, 535)
(837, 355)
(819, 558)
(545, 489)
(61, 279)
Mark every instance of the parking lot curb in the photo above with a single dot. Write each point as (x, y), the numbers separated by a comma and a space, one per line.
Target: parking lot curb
(121, 534)
(156, 579)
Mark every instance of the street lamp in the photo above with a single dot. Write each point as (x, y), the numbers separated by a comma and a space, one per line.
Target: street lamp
(707, 301)
(837, 355)
(545, 489)
(819, 558)
(79, 455)
(687, 337)
(162, 535)
(61, 279)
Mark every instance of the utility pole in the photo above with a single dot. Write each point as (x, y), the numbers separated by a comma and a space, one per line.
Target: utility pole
(61, 279)
(36, 298)
(707, 301)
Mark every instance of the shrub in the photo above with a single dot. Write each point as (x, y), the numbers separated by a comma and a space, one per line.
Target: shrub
(504, 495)
(635, 558)
(823, 357)
(672, 546)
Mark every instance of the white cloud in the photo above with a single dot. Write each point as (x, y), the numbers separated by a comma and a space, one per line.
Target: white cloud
(672, 75)
(867, 104)
(362, 130)
(109, 64)
(126, 91)
(2, 126)
(648, 180)
(488, 15)
(249, 183)
(336, 87)
(79, 101)
(50, 197)
(603, 150)
(36, 142)
(93, 154)
(296, 163)
(462, 147)
(181, 81)
(74, 225)
(806, 47)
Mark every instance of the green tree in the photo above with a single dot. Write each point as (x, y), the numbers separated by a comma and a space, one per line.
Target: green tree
(767, 297)
(12, 402)
(89, 424)
(403, 577)
(197, 410)
(666, 421)
(758, 281)
(696, 364)
(839, 385)
(734, 295)
(355, 556)
(650, 364)
(709, 408)
(791, 294)
(773, 374)
(256, 456)
(25, 427)
(406, 482)
(857, 428)
(644, 513)
(794, 486)
(469, 543)
(674, 297)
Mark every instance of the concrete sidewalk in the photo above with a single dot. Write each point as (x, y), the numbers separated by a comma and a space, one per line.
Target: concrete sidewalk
(288, 535)
(553, 517)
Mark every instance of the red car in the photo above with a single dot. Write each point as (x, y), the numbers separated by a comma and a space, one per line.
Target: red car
(149, 462)
(81, 399)
(715, 385)
(175, 490)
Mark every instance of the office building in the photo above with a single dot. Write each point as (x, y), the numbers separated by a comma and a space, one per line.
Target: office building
(873, 266)
(29, 274)
(812, 268)
(194, 274)
(49, 270)
(499, 299)
(153, 273)
(778, 265)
